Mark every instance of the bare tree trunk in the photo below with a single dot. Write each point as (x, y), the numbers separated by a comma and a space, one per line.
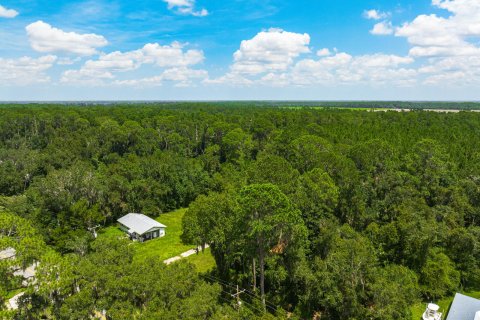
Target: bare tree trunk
(261, 260)
(254, 268)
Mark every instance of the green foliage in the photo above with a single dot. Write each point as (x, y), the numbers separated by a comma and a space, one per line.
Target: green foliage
(269, 168)
(336, 214)
(316, 196)
(395, 288)
(109, 279)
(438, 275)
(308, 152)
(18, 234)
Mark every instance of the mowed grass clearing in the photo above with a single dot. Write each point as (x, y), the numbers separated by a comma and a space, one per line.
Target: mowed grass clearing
(419, 308)
(330, 108)
(168, 246)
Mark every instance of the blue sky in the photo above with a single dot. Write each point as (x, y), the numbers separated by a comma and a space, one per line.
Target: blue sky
(239, 49)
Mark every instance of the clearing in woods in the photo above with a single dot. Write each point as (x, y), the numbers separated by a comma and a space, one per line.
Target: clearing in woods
(168, 246)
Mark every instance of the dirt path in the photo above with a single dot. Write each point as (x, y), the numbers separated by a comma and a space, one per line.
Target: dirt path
(185, 254)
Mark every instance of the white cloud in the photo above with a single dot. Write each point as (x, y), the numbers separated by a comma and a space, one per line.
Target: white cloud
(275, 80)
(343, 68)
(45, 38)
(174, 58)
(68, 61)
(181, 77)
(447, 78)
(171, 55)
(444, 49)
(116, 62)
(273, 58)
(232, 79)
(447, 70)
(448, 44)
(186, 7)
(7, 13)
(382, 28)
(383, 60)
(272, 50)
(26, 70)
(323, 52)
(86, 76)
(375, 14)
(434, 36)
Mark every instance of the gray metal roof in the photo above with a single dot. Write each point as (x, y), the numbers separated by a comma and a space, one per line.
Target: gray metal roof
(29, 272)
(139, 223)
(7, 253)
(463, 308)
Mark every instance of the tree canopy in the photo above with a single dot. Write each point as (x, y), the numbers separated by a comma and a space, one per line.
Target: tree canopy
(315, 212)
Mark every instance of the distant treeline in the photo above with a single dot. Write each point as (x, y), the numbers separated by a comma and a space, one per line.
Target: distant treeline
(415, 105)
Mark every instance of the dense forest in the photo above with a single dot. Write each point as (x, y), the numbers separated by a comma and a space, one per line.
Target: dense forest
(318, 213)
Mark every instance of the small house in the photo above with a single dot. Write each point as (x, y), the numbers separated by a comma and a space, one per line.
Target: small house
(464, 308)
(140, 227)
(28, 274)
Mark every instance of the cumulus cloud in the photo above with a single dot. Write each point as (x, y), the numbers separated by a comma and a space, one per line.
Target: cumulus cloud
(181, 77)
(271, 50)
(343, 68)
(7, 13)
(86, 76)
(171, 55)
(273, 58)
(45, 38)
(26, 70)
(451, 70)
(186, 7)
(65, 61)
(447, 43)
(231, 79)
(174, 57)
(323, 52)
(443, 49)
(375, 14)
(266, 54)
(433, 36)
(382, 28)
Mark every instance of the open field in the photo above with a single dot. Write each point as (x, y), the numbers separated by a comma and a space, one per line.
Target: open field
(377, 109)
(168, 246)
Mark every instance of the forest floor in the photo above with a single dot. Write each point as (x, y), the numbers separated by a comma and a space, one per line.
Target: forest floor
(419, 308)
(168, 246)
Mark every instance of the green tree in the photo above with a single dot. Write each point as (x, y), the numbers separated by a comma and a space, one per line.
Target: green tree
(308, 152)
(269, 168)
(214, 220)
(393, 291)
(438, 276)
(236, 146)
(271, 224)
(317, 197)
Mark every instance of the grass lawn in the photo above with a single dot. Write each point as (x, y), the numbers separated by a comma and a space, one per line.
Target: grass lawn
(329, 108)
(419, 308)
(203, 261)
(168, 246)
(11, 294)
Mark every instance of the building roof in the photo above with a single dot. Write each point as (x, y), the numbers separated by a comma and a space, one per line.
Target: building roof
(7, 253)
(139, 223)
(463, 308)
(28, 273)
